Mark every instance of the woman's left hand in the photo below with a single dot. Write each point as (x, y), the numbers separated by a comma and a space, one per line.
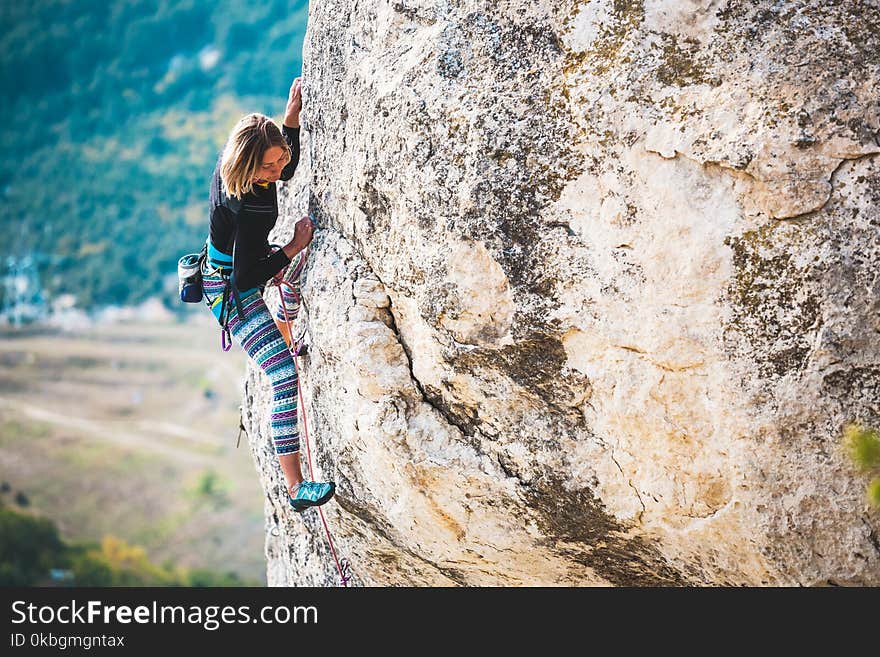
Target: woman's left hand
(294, 104)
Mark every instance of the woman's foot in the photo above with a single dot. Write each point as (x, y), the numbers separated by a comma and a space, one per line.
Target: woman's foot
(310, 493)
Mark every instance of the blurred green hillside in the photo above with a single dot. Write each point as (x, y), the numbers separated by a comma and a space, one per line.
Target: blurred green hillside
(32, 553)
(112, 115)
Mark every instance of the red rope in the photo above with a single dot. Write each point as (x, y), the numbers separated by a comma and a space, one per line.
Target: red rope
(341, 567)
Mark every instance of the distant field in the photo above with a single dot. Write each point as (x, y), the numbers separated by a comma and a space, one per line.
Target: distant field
(129, 429)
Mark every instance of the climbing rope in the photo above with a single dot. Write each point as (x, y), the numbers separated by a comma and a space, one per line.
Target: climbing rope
(343, 567)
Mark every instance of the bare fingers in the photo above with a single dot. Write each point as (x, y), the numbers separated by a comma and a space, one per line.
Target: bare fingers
(296, 88)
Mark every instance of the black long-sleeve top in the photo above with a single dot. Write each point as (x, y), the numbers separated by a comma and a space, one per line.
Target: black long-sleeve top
(246, 223)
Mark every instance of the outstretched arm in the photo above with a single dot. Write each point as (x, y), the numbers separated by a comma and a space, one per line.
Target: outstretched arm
(290, 127)
(294, 104)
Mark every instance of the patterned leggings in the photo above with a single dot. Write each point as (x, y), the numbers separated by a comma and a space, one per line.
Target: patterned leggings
(258, 335)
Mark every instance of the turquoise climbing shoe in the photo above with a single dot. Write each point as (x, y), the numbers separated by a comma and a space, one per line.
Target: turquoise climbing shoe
(311, 493)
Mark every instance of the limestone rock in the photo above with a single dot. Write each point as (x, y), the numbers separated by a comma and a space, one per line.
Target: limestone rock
(594, 294)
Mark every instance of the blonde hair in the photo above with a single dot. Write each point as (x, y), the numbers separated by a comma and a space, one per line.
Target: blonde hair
(242, 158)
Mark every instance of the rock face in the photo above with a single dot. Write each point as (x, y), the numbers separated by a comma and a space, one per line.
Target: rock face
(595, 292)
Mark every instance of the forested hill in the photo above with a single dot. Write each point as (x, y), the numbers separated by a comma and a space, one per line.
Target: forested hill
(112, 114)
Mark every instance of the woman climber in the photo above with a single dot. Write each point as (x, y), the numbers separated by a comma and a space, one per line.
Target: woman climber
(244, 208)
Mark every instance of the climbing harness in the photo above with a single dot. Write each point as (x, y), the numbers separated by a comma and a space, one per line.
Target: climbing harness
(230, 289)
(342, 566)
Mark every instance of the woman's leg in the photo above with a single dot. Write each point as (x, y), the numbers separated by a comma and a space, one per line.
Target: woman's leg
(290, 296)
(259, 337)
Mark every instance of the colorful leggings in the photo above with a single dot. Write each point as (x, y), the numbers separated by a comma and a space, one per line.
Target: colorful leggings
(258, 335)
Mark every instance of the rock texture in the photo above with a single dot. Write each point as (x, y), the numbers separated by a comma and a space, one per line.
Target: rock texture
(594, 293)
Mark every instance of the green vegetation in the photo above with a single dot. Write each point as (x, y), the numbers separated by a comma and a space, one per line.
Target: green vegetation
(29, 548)
(32, 553)
(863, 446)
(211, 488)
(109, 141)
(874, 492)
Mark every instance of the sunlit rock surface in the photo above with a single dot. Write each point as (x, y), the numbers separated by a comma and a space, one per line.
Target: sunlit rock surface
(595, 292)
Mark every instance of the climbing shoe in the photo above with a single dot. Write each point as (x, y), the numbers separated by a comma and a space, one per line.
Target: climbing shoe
(310, 493)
